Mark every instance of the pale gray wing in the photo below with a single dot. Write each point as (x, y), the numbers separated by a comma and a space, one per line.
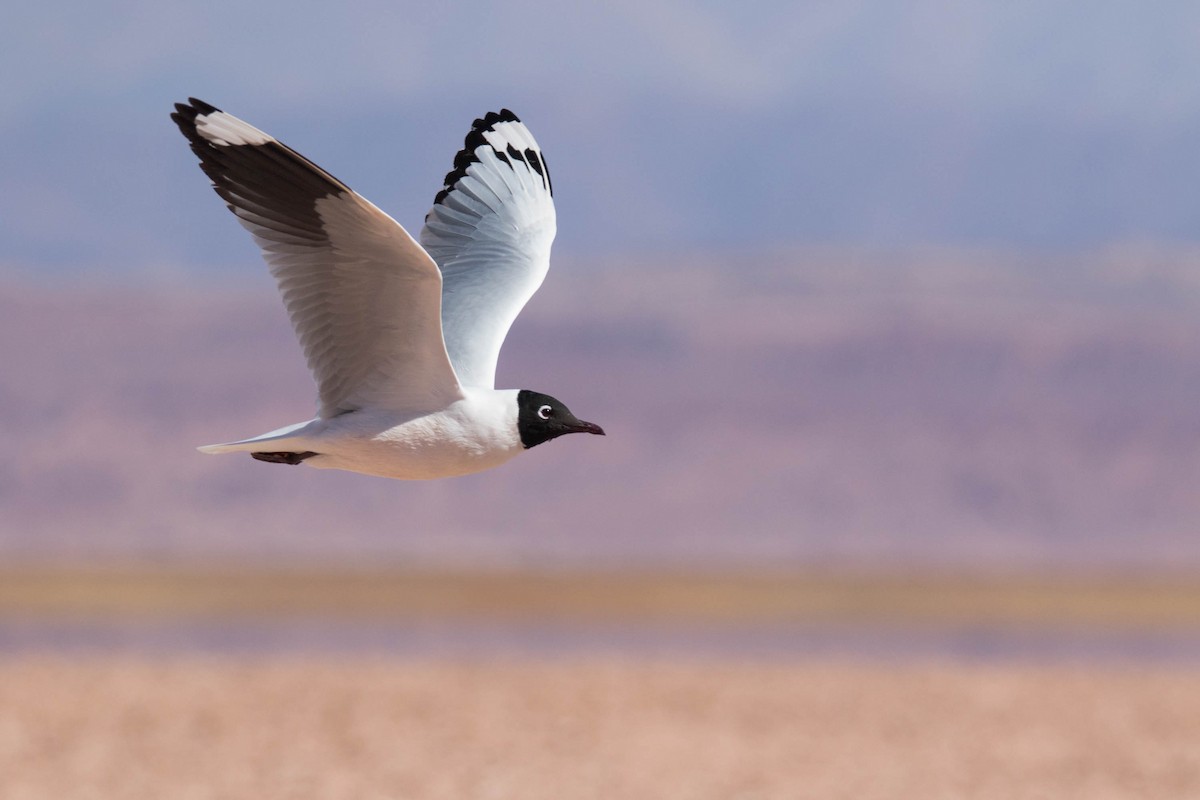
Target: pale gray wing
(490, 231)
(363, 297)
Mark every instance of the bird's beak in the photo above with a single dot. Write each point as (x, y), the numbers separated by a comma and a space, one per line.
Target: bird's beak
(579, 426)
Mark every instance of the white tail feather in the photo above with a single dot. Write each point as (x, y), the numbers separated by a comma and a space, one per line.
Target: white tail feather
(281, 439)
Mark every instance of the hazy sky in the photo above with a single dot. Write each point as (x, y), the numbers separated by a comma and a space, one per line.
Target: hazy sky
(668, 125)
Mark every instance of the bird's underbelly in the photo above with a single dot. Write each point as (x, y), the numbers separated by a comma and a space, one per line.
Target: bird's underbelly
(415, 450)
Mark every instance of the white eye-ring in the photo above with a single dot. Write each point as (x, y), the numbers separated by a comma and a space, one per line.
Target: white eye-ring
(544, 412)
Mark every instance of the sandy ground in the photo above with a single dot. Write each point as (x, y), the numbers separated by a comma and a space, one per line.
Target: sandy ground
(272, 727)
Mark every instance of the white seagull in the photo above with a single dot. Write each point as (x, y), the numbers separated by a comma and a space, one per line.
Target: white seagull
(402, 338)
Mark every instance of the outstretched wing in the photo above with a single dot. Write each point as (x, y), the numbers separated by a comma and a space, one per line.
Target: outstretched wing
(490, 231)
(363, 297)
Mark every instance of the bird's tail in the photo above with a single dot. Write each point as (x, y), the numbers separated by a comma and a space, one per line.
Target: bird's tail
(287, 439)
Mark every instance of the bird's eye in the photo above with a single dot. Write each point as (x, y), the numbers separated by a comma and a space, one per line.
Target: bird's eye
(544, 412)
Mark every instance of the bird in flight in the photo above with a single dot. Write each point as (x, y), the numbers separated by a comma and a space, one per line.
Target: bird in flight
(401, 337)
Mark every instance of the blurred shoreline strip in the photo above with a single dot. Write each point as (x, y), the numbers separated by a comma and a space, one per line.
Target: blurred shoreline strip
(1110, 601)
(569, 612)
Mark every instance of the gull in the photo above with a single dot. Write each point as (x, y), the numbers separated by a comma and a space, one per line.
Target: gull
(402, 337)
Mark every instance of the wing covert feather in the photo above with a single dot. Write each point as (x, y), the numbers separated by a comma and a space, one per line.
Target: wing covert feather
(490, 230)
(363, 296)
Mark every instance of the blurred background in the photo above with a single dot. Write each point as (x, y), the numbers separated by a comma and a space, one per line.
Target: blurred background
(890, 310)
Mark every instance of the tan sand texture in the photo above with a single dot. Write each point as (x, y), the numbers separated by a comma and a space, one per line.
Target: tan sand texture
(118, 727)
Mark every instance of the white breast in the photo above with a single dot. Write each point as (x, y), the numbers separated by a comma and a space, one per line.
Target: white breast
(473, 434)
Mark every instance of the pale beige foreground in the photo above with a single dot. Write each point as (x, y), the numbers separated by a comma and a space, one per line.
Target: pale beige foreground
(106, 727)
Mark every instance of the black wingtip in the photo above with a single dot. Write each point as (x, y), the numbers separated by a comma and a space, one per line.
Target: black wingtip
(185, 115)
(194, 108)
(475, 139)
(492, 117)
(203, 107)
(259, 176)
